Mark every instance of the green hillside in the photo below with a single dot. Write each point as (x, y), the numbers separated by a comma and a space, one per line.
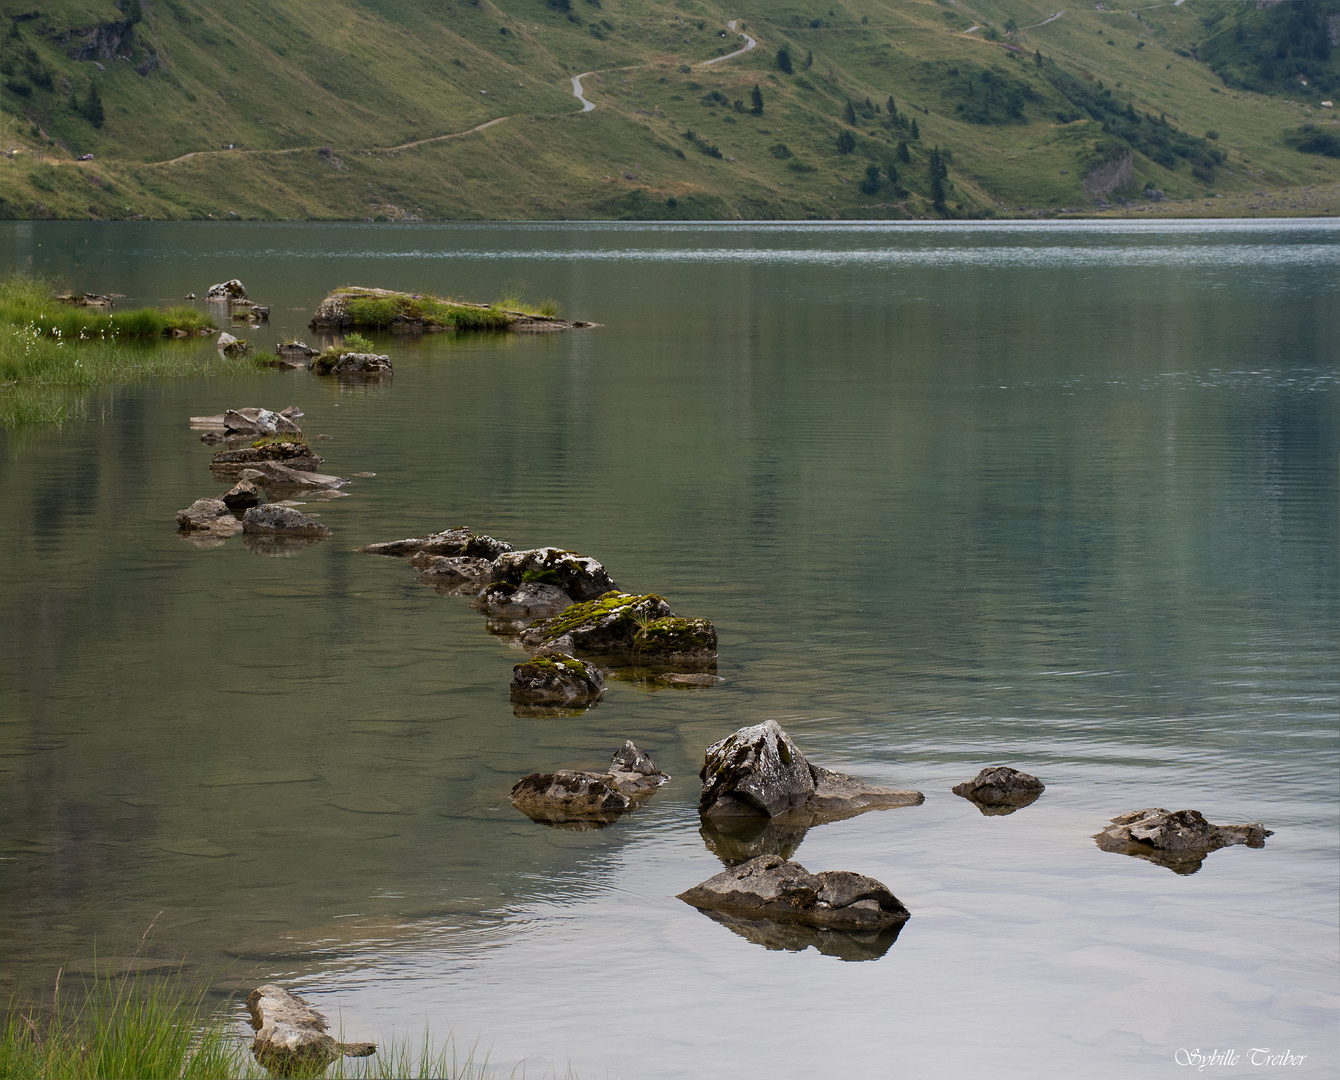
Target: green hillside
(402, 109)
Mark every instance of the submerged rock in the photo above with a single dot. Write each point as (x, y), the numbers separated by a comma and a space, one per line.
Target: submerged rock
(758, 770)
(999, 789)
(291, 1037)
(1179, 840)
(639, 629)
(770, 887)
(501, 600)
(208, 515)
(242, 496)
(276, 520)
(572, 796)
(556, 678)
(447, 542)
(580, 576)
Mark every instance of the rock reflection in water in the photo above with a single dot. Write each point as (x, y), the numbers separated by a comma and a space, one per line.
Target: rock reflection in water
(278, 547)
(793, 937)
(737, 840)
(550, 712)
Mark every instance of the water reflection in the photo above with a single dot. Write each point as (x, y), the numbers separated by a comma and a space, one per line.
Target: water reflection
(793, 937)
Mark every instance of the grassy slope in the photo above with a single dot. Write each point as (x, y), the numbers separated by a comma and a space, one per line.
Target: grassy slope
(283, 78)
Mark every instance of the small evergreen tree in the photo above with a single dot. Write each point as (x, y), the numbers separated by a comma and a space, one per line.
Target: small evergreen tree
(903, 154)
(870, 185)
(939, 173)
(916, 131)
(1037, 58)
(849, 114)
(93, 106)
(893, 109)
(756, 97)
(892, 174)
(809, 60)
(846, 142)
(784, 60)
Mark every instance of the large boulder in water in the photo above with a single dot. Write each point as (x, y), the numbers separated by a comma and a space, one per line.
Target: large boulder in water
(232, 289)
(580, 576)
(770, 887)
(999, 789)
(275, 520)
(758, 770)
(1179, 839)
(291, 1036)
(573, 797)
(556, 678)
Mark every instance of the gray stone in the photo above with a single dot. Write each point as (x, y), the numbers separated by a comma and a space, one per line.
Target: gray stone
(1001, 789)
(1179, 840)
(456, 571)
(291, 1037)
(252, 421)
(641, 630)
(232, 346)
(208, 515)
(227, 290)
(294, 455)
(295, 353)
(579, 576)
(276, 520)
(242, 496)
(758, 770)
(500, 600)
(364, 365)
(575, 796)
(773, 888)
(555, 678)
(275, 474)
(485, 547)
(448, 542)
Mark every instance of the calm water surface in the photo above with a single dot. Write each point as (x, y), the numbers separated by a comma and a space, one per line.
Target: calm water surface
(1062, 497)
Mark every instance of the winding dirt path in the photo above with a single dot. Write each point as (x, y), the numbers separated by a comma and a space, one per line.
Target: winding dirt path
(749, 43)
(1045, 21)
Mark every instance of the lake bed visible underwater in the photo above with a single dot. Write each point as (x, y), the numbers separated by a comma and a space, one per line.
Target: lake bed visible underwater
(1062, 497)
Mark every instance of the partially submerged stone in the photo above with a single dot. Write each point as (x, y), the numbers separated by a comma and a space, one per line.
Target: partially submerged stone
(352, 364)
(295, 353)
(555, 678)
(242, 496)
(232, 346)
(458, 571)
(770, 887)
(758, 770)
(231, 289)
(521, 603)
(580, 576)
(447, 542)
(637, 629)
(208, 515)
(276, 474)
(276, 520)
(573, 796)
(293, 455)
(291, 1037)
(1178, 839)
(252, 421)
(999, 789)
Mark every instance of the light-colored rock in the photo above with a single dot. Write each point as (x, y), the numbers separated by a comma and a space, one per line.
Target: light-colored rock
(447, 542)
(252, 421)
(227, 290)
(456, 571)
(580, 576)
(758, 770)
(275, 520)
(208, 515)
(231, 346)
(291, 1037)
(556, 679)
(773, 888)
(1178, 839)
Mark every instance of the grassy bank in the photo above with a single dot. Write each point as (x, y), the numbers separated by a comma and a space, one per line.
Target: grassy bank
(51, 353)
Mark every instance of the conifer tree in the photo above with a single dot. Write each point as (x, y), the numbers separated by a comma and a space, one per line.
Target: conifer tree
(756, 97)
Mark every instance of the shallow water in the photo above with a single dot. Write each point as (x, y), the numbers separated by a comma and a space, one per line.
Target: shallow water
(1057, 496)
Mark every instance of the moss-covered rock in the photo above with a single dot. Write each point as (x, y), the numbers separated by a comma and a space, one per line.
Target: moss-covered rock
(555, 678)
(608, 624)
(580, 576)
(672, 640)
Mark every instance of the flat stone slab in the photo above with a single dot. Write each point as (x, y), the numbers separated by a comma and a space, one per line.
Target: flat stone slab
(1179, 840)
(447, 542)
(770, 887)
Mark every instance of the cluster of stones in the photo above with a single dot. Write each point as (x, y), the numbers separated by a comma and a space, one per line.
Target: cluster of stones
(563, 607)
(588, 799)
(265, 470)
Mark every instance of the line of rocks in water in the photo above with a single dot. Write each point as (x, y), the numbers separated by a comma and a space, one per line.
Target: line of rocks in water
(567, 611)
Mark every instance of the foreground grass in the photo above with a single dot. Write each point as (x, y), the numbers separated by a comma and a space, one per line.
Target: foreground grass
(154, 1029)
(50, 353)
